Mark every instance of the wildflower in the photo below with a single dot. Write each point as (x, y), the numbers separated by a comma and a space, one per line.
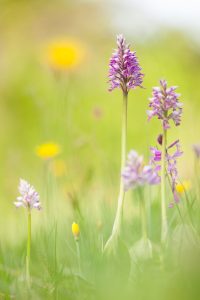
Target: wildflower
(196, 149)
(124, 68)
(28, 198)
(165, 105)
(64, 54)
(75, 230)
(136, 174)
(76, 233)
(48, 150)
(183, 187)
(124, 73)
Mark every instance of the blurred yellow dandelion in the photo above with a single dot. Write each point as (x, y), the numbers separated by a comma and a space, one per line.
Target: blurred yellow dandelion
(58, 167)
(183, 187)
(64, 54)
(75, 230)
(48, 150)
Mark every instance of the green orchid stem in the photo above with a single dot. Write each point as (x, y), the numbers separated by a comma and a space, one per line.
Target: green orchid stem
(164, 225)
(28, 251)
(119, 213)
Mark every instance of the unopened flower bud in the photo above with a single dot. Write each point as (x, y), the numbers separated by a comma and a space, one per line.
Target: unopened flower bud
(75, 230)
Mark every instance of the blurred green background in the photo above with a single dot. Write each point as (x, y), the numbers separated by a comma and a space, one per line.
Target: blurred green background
(75, 109)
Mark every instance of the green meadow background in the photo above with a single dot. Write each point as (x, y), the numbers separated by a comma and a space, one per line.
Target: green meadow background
(77, 112)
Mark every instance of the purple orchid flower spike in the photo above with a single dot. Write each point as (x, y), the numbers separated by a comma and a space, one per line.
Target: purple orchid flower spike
(28, 198)
(135, 173)
(124, 68)
(165, 105)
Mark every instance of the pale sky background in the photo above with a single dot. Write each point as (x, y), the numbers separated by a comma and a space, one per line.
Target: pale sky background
(145, 17)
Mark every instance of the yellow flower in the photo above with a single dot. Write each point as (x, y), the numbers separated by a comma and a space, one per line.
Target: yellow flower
(48, 150)
(64, 54)
(183, 187)
(58, 167)
(75, 230)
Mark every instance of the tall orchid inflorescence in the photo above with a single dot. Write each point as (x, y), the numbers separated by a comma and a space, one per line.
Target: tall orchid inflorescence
(125, 74)
(124, 69)
(165, 105)
(29, 199)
